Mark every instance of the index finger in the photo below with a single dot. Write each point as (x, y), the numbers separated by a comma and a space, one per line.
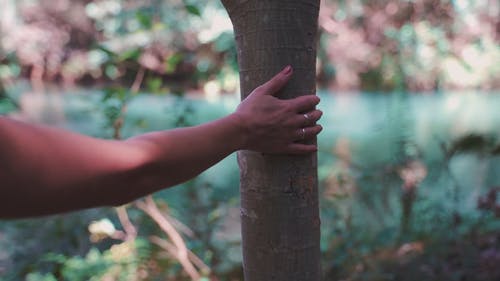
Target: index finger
(277, 82)
(304, 103)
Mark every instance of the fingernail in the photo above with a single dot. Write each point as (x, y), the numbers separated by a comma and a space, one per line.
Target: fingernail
(287, 70)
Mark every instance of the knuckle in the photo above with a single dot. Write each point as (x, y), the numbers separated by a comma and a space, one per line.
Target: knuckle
(288, 106)
(280, 79)
(291, 124)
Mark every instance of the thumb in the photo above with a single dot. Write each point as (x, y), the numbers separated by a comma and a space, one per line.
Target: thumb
(277, 82)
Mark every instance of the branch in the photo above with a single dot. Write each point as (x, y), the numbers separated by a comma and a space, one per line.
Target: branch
(169, 247)
(130, 230)
(181, 251)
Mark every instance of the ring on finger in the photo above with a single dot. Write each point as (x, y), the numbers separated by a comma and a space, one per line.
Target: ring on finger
(303, 133)
(307, 118)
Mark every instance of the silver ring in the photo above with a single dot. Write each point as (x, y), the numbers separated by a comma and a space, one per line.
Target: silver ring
(306, 116)
(303, 133)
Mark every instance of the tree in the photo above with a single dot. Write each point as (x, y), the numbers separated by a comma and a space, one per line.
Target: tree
(279, 198)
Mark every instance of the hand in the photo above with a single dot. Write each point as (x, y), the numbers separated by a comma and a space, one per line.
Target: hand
(272, 125)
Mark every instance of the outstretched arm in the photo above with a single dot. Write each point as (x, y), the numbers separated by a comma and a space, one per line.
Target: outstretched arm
(45, 170)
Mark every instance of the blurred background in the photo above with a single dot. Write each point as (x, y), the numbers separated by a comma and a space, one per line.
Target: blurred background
(409, 162)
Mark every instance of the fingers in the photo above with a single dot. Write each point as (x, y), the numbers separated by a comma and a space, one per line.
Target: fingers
(307, 119)
(307, 133)
(304, 134)
(276, 83)
(298, 148)
(304, 103)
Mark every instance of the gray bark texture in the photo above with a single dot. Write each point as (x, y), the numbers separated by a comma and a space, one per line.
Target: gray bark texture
(279, 193)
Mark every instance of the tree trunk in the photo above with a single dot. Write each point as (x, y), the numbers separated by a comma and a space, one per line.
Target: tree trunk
(279, 198)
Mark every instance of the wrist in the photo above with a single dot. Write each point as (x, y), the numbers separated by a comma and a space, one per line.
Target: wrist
(240, 131)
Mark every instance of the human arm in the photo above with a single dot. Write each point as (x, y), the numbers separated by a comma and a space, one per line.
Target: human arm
(45, 170)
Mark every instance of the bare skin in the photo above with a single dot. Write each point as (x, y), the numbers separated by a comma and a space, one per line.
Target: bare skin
(46, 171)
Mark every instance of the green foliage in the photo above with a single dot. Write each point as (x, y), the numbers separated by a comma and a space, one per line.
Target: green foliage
(40, 277)
(192, 9)
(7, 105)
(120, 262)
(375, 46)
(92, 267)
(172, 62)
(154, 85)
(472, 143)
(144, 19)
(408, 45)
(114, 101)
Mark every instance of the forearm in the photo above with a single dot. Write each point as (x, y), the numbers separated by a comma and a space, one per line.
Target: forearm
(181, 154)
(52, 171)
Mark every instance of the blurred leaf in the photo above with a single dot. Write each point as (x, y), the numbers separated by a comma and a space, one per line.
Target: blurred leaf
(119, 93)
(54, 257)
(470, 144)
(141, 123)
(192, 9)
(224, 42)
(496, 150)
(132, 54)
(172, 62)
(40, 277)
(144, 19)
(111, 71)
(106, 50)
(7, 71)
(154, 84)
(88, 268)
(7, 105)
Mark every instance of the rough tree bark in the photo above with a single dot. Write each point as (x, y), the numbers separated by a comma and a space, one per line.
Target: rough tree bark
(279, 198)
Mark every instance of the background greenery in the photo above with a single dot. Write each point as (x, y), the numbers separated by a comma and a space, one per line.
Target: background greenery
(408, 162)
